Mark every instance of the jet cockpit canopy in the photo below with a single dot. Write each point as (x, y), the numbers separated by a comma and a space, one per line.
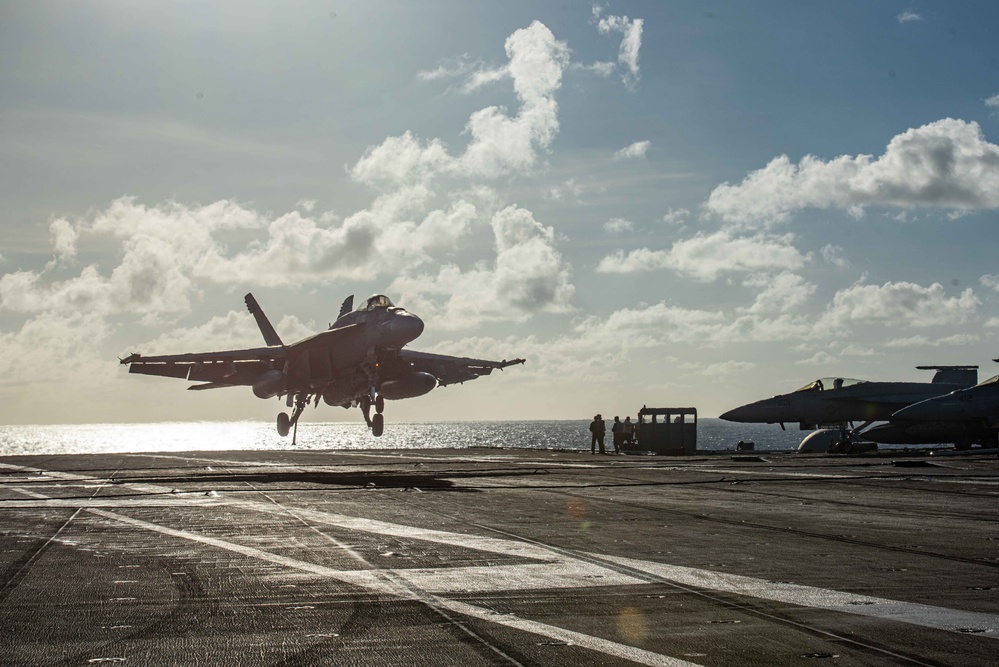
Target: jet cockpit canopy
(823, 384)
(377, 301)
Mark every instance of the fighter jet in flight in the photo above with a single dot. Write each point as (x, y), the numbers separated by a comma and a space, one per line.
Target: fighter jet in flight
(973, 412)
(840, 402)
(359, 361)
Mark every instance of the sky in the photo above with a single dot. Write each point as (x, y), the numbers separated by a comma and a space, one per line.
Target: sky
(673, 203)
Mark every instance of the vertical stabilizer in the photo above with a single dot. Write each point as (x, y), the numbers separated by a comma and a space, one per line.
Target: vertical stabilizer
(965, 375)
(270, 336)
(346, 306)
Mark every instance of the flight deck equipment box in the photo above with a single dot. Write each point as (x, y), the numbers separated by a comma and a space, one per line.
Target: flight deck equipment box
(670, 431)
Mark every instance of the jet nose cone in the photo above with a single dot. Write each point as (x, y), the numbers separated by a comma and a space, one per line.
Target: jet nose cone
(734, 415)
(406, 327)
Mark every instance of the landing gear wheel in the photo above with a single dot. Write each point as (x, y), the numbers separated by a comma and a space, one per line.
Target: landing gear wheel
(379, 404)
(283, 424)
(377, 424)
(365, 404)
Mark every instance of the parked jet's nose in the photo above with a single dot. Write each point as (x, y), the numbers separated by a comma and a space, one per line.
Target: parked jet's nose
(405, 327)
(767, 411)
(745, 413)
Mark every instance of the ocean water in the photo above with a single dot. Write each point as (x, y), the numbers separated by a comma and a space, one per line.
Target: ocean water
(712, 434)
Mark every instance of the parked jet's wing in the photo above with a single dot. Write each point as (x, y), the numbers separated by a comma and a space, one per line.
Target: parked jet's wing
(451, 370)
(223, 369)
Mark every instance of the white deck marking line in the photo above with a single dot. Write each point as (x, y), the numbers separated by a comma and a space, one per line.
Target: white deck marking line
(468, 541)
(777, 473)
(555, 570)
(569, 574)
(377, 581)
(925, 615)
(632, 653)
(562, 569)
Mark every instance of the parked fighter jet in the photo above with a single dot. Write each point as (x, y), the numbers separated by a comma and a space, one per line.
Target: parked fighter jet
(973, 412)
(358, 361)
(838, 402)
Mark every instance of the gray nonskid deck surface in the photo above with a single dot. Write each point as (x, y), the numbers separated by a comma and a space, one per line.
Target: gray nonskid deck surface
(497, 557)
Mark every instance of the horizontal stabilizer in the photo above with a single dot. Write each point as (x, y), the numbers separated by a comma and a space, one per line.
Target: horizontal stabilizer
(270, 336)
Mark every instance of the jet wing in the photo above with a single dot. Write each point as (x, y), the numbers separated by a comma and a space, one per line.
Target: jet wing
(451, 370)
(219, 369)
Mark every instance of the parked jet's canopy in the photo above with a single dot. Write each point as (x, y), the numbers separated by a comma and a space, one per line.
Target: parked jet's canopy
(830, 383)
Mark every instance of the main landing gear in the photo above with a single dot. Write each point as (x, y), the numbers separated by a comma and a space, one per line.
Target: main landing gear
(847, 443)
(376, 423)
(285, 423)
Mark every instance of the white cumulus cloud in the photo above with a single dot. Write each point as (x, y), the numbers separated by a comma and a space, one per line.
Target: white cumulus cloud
(898, 304)
(169, 252)
(64, 237)
(923, 341)
(707, 256)
(528, 276)
(618, 225)
(631, 41)
(635, 150)
(162, 249)
(991, 281)
(834, 255)
(779, 294)
(676, 216)
(398, 231)
(820, 358)
(567, 189)
(945, 164)
(500, 144)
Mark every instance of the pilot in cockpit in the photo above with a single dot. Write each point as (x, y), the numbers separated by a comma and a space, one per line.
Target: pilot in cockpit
(378, 301)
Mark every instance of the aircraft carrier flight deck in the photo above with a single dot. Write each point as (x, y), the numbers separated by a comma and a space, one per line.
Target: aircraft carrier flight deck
(498, 557)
